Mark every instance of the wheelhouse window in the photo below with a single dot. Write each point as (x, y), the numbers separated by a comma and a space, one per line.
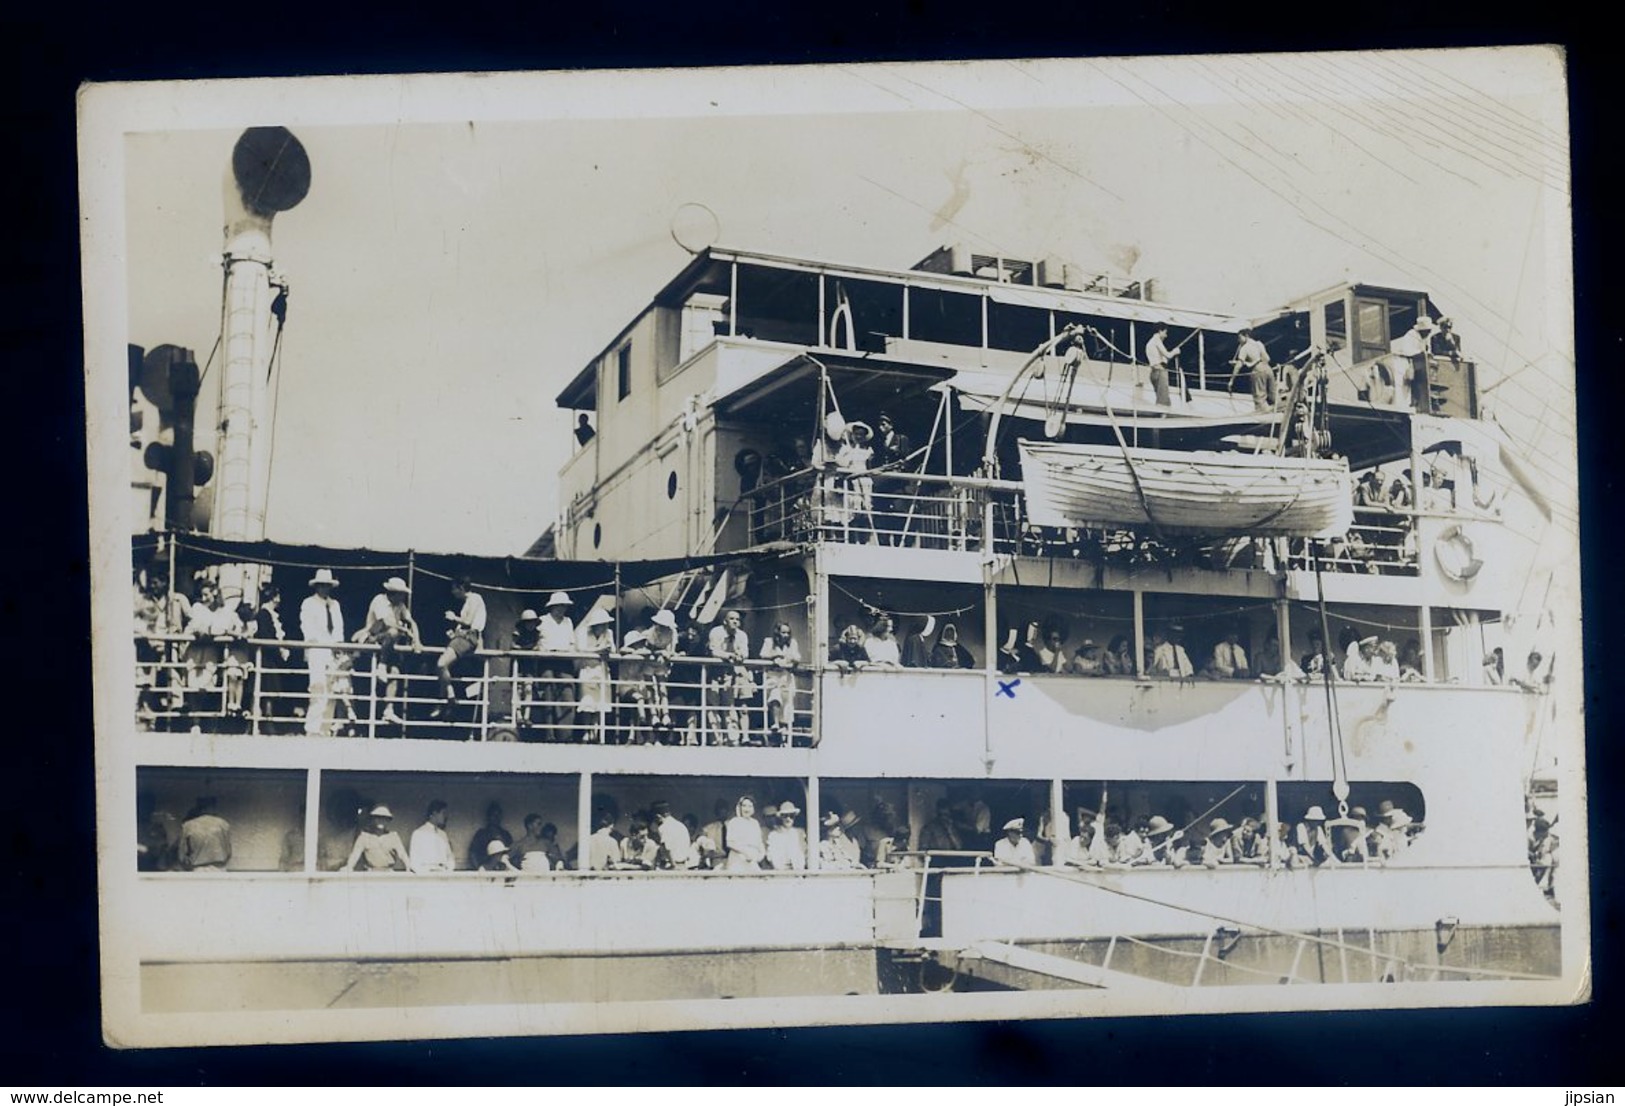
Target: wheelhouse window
(869, 310)
(1013, 327)
(1371, 335)
(778, 305)
(954, 318)
(1336, 316)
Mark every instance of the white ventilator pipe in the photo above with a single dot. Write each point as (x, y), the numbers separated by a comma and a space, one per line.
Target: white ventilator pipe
(268, 173)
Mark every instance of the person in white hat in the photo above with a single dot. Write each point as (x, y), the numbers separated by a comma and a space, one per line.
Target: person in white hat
(492, 830)
(321, 623)
(1216, 850)
(1394, 834)
(390, 626)
(496, 858)
(1087, 659)
(555, 687)
(1358, 661)
(1311, 845)
(660, 650)
(786, 842)
(596, 638)
(837, 851)
(1413, 346)
(852, 463)
(1013, 847)
(632, 691)
(377, 847)
(1161, 841)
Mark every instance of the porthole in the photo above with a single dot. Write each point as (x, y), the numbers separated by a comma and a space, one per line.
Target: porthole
(597, 534)
(671, 484)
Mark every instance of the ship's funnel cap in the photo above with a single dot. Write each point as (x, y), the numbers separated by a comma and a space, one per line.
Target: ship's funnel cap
(271, 169)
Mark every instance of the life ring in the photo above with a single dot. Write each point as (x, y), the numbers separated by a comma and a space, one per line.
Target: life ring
(1453, 551)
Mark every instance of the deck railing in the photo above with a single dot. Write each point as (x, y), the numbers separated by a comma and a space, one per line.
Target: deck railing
(230, 684)
(917, 511)
(1380, 543)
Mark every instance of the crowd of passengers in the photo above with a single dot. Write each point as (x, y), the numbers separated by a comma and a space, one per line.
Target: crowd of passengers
(664, 682)
(742, 838)
(574, 682)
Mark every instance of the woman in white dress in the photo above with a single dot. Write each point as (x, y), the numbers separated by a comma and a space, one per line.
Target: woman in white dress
(597, 637)
(882, 646)
(743, 834)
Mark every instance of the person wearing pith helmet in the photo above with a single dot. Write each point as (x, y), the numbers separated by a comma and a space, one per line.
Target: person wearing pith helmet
(555, 685)
(1310, 842)
(1216, 850)
(378, 848)
(496, 858)
(390, 626)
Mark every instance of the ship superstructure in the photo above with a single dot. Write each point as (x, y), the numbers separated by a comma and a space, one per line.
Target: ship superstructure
(1068, 672)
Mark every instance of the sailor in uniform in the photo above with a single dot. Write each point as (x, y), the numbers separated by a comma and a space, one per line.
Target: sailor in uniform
(1013, 847)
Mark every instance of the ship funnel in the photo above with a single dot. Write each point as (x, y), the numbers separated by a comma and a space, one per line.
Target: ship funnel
(269, 173)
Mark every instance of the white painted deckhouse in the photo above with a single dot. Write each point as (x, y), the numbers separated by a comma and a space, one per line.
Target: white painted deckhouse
(1117, 646)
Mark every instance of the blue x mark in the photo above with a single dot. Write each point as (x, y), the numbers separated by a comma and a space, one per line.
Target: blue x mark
(1009, 689)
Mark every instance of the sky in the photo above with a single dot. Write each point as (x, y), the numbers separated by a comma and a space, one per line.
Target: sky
(468, 243)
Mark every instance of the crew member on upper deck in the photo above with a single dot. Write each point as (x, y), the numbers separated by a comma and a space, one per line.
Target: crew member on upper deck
(1254, 360)
(1157, 355)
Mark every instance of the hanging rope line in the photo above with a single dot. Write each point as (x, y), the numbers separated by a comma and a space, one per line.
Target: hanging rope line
(1128, 457)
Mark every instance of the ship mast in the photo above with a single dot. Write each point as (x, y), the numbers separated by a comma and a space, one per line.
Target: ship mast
(269, 172)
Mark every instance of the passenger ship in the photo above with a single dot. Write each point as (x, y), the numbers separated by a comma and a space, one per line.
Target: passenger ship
(712, 481)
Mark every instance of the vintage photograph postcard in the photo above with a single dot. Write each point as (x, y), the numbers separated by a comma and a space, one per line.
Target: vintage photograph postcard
(604, 552)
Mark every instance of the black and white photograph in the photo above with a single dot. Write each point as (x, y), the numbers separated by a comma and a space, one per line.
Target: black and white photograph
(616, 552)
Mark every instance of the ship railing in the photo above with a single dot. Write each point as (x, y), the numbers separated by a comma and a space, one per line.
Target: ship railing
(1380, 543)
(913, 510)
(928, 895)
(919, 511)
(264, 687)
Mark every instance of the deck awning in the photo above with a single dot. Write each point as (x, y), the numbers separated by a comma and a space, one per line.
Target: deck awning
(504, 573)
(866, 384)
